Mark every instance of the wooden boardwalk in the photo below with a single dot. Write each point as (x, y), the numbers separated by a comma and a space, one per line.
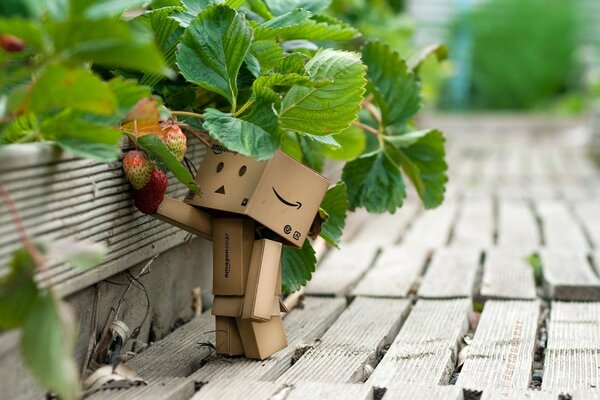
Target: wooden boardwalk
(442, 304)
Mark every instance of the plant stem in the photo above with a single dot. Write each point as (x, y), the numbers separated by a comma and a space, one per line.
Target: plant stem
(244, 107)
(366, 127)
(371, 109)
(187, 114)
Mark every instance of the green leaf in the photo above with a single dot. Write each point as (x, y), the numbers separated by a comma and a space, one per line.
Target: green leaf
(374, 182)
(153, 145)
(17, 291)
(331, 108)
(291, 63)
(394, 86)
(80, 254)
(110, 8)
(421, 155)
(253, 65)
(27, 30)
(335, 203)
(47, 343)
(267, 52)
(327, 141)
(288, 19)
(351, 142)
(312, 153)
(239, 135)
(315, 28)
(127, 93)
(439, 50)
(264, 86)
(212, 50)
(259, 7)
(280, 7)
(298, 266)
(70, 88)
(23, 127)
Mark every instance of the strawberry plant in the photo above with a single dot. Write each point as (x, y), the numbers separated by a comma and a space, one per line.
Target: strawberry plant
(255, 75)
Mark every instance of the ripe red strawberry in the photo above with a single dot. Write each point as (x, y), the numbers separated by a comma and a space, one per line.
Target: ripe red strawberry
(11, 43)
(138, 168)
(175, 140)
(148, 198)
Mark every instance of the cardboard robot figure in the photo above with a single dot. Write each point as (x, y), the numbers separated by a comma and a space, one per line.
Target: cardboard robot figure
(245, 196)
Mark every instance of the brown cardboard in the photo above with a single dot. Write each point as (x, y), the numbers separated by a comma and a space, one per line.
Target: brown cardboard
(233, 239)
(231, 306)
(281, 194)
(228, 340)
(186, 217)
(262, 280)
(262, 339)
(278, 284)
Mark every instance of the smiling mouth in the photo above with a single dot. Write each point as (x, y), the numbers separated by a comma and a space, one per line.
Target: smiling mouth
(284, 201)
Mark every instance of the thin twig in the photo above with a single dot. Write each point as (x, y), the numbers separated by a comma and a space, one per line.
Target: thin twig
(144, 269)
(366, 127)
(187, 114)
(371, 109)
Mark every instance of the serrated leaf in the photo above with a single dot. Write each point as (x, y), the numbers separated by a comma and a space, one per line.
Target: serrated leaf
(291, 63)
(280, 7)
(312, 153)
(327, 141)
(394, 86)
(351, 142)
(298, 266)
(128, 93)
(253, 65)
(17, 291)
(267, 52)
(19, 129)
(212, 50)
(47, 343)
(331, 108)
(310, 29)
(264, 87)
(240, 135)
(335, 203)
(155, 147)
(286, 20)
(70, 88)
(439, 50)
(374, 182)
(421, 155)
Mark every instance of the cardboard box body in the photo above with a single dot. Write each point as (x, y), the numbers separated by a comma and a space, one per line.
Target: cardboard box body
(231, 306)
(262, 339)
(261, 286)
(233, 239)
(186, 217)
(281, 194)
(228, 337)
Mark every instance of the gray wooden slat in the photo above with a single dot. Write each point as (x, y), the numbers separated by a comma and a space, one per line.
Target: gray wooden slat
(517, 227)
(572, 359)
(451, 273)
(589, 215)
(507, 275)
(569, 276)
(584, 395)
(501, 353)
(561, 229)
(162, 389)
(386, 229)
(239, 389)
(349, 348)
(412, 392)
(475, 224)
(512, 394)
(330, 391)
(432, 228)
(337, 274)
(395, 273)
(425, 349)
(303, 327)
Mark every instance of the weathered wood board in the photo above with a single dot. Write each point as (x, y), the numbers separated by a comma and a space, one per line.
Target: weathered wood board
(572, 359)
(513, 394)
(589, 214)
(412, 392)
(432, 228)
(240, 389)
(501, 353)
(475, 224)
(349, 348)
(385, 229)
(395, 273)
(507, 275)
(568, 275)
(451, 273)
(330, 391)
(560, 227)
(163, 389)
(517, 226)
(425, 349)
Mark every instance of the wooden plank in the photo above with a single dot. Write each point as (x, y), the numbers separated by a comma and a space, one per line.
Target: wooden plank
(451, 273)
(341, 269)
(395, 273)
(432, 228)
(349, 348)
(568, 276)
(572, 359)
(475, 224)
(507, 275)
(512, 394)
(386, 229)
(162, 389)
(560, 227)
(303, 325)
(517, 227)
(412, 392)
(330, 391)
(425, 350)
(240, 389)
(501, 354)
(589, 215)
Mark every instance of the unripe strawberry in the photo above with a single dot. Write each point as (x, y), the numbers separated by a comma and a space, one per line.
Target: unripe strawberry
(148, 198)
(175, 140)
(11, 43)
(138, 168)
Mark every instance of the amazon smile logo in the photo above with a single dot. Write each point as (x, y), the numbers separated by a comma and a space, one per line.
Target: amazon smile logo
(284, 201)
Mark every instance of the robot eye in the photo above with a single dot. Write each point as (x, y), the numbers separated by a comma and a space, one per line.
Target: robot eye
(242, 170)
(220, 167)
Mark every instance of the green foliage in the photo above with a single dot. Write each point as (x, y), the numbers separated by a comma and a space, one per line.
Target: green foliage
(335, 205)
(298, 266)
